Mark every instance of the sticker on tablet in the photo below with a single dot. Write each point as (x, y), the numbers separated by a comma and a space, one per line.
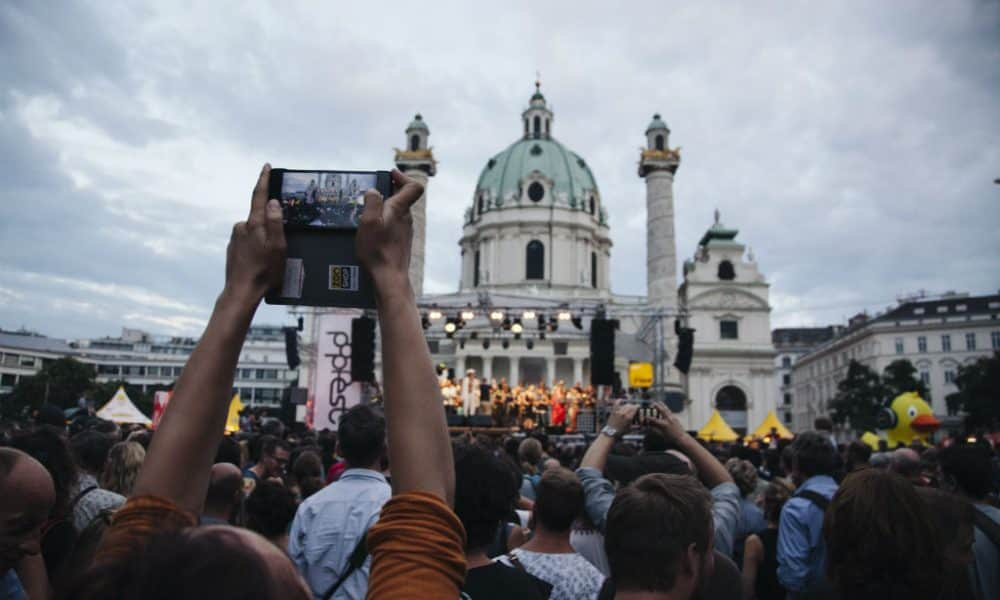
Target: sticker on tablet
(343, 278)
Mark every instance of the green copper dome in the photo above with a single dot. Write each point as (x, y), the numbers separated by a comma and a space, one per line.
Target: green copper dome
(657, 123)
(572, 183)
(417, 123)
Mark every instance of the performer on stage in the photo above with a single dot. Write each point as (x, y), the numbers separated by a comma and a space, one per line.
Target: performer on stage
(469, 391)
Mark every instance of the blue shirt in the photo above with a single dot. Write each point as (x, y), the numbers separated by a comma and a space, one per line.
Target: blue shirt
(10, 586)
(751, 521)
(985, 569)
(328, 526)
(801, 552)
(599, 493)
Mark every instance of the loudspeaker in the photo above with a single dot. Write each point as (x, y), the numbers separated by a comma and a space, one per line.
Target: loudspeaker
(602, 351)
(480, 421)
(685, 349)
(292, 347)
(455, 420)
(363, 349)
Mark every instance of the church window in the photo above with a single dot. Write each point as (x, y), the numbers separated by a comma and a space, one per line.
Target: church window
(546, 127)
(414, 142)
(482, 205)
(659, 142)
(538, 126)
(536, 191)
(729, 330)
(536, 150)
(726, 271)
(593, 270)
(475, 270)
(535, 260)
(525, 128)
(593, 205)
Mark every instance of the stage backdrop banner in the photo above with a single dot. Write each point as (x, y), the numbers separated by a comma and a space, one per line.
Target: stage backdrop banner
(335, 392)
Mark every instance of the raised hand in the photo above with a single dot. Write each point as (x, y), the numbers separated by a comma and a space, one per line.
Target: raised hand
(668, 424)
(255, 258)
(622, 414)
(385, 233)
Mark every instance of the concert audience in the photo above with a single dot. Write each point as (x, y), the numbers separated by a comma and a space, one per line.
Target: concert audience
(270, 509)
(90, 450)
(760, 556)
(751, 517)
(28, 499)
(122, 467)
(224, 498)
(271, 464)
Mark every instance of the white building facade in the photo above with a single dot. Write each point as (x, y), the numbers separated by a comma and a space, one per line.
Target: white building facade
(936, 335)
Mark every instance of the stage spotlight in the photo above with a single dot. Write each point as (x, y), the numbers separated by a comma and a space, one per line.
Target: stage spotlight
(565, 315)
(486, 344)
(506, 325)
(553, 325)
(530, 344)
(435, 315)
(425, 322)
(468, 315)
(450, 327)
(577, 322)
(528, 315)
(505, 344)
(516, 326)
(496, 315)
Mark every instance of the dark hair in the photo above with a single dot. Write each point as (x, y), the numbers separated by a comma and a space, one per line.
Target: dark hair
(969, 467)
(192, 563)
(270, 509)
(879, 539)
(654, 441)
(814, 454)
(559, 499)
(46, 446)
(823, 424)
(650, 525)
(90, 449)
(229, 452)
(951, 515)
(361, 434)
(307, 471)
(268, 444)
(485, 491)
(775, 495)
(51, 415)
(858, 453)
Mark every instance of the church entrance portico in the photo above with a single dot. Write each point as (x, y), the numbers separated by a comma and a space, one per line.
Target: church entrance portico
(731, 403)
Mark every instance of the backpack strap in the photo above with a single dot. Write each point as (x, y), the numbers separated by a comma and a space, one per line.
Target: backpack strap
(821, 501)
(988, 526)
(354, 563)
(515, 561)
(76, 499)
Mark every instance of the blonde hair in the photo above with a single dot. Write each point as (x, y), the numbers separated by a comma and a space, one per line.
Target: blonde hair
(122, 467)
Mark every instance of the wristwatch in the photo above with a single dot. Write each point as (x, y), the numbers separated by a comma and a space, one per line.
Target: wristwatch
(610, 431)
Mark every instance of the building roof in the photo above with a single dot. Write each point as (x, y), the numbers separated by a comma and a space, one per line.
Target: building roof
(956, 304)
(657, 123)
(417, 123)
(33, 341)
(718, 233)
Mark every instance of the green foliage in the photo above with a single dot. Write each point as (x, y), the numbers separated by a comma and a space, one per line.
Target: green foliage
(979, 391)
(61, 382)
(859, 395)
(900, 377)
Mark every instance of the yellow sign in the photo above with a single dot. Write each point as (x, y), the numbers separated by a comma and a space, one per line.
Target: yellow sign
(640, 375)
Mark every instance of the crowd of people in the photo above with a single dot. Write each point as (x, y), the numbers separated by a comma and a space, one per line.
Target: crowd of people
(392, 506)
(523, 405)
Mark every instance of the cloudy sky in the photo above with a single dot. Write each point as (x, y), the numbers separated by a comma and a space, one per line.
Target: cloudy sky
(854, 145)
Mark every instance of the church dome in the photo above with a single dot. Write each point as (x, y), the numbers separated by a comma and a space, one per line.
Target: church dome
(571, 184)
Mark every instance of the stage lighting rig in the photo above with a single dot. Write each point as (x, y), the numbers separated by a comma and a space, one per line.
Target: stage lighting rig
(496, 315)
(528, 315)
(435, 315)
(516, 327)
(577, 322)
(468, 315)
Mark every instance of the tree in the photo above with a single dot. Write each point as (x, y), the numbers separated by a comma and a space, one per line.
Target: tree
(61, 382)
(900, 377)
(979, 391)
(859, 396)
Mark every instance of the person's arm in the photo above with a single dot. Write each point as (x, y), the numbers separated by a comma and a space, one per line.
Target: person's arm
(711, 471)
(419, 448)
(598, 492)
(793, 547)
(753, 552)
(34, 580)
(179, 462)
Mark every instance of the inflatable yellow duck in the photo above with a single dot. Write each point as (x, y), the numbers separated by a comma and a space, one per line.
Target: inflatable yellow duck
(914, 419)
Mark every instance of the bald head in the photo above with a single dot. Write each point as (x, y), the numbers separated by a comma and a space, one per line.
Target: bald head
(906, 462)
(24, 506)
(225, 490)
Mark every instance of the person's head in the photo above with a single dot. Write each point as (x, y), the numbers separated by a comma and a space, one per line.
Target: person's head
(485, 491)
(654, 441)
(225, 491)
(953, 518)
(813, 455)
(221, 562)
(744, 475)
(550, 463)
(823, 425)
(879, 539)
(90, 450)
(558, 500)
(858, 455)
(775, 495)
(906, 462)
(967, 470)
(308, 473)
(229, 452)
(659, 533)
(270, 508)
(361, 437)
(122, 467)
(50, 415)
(529, 453)
(274, 454)
(48, 447)
(25, 504)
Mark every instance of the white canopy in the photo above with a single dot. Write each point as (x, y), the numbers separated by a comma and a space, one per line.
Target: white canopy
(121, 410)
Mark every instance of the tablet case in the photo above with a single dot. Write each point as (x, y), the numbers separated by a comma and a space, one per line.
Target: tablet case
(321, 267)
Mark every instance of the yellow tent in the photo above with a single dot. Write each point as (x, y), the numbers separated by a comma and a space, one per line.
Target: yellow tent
(233, 420)
(771, 422)
(717, 430)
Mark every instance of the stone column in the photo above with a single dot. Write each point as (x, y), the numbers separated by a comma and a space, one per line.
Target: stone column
(417, 161)
(487, 374)
(577, 371)
(550, 371)
(515, 370)
(419, 212)
(459, 367)
(661, 248)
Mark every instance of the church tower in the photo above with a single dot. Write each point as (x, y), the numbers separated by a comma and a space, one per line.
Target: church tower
(657, 165)
(417, 161)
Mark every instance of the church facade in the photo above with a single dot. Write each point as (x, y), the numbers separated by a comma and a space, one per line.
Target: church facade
(536, 269)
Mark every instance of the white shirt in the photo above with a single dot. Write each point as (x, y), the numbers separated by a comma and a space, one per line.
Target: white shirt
(571, 575)
(327, 527)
